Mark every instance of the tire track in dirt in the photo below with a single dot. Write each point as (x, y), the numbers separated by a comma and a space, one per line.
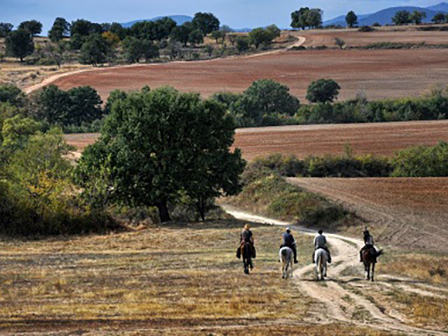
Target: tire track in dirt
(333, 301)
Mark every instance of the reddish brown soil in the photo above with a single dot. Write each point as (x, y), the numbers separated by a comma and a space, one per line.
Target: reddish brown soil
(408, 212)
(377, 73)
(378, 139)
(353, 38)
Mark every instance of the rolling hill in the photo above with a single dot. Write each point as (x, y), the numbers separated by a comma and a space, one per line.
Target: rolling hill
(180, 19)
(385, 16)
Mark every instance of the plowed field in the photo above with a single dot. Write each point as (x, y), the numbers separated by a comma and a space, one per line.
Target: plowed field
(406, 212)
(377, 73)
(378, 139)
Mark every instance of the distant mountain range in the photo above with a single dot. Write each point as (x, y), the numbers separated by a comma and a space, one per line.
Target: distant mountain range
(385, 16)
(180, 19)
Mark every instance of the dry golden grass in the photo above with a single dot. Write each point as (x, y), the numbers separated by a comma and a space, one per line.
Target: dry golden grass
(182, 272)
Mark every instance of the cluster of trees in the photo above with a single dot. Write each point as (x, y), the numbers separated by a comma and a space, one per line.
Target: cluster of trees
(404, 17)
(418, 161)
(440, 18)
(158, 148)
(269, 103)
(51, 106)
(306, 18)
(37, 195)
(99, 43)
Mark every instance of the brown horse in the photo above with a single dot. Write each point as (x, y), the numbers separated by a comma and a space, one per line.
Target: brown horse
(369, 257)
(247, 253)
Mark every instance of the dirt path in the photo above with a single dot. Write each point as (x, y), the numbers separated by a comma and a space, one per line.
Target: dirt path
(341, 298)
(47, 81)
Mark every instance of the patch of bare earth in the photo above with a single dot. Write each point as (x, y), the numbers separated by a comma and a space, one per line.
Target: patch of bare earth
(377, 73)
(378, 139)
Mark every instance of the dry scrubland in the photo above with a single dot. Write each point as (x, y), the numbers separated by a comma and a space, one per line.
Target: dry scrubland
(378, 139)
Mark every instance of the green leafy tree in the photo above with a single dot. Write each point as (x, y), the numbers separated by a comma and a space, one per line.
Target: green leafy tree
(402, 17)
(5, 28)
(16, 132)
(299, 18)
(118, 30)
(273, 30)
(52, 105)
(242, 43)
(12, 94)
(85, 105)
(196, 37)
(322, 91)
(94, 51)
(260, 36)
(158, 146)
(59, 30)
(19, 43)
(421, 161)
(219, 36)
(266, 98)
(417, 16)
(351, 19)
(314, 18)
(181, 33)
(136, 49)
(33, 27)
(439, 18)
(205, 22)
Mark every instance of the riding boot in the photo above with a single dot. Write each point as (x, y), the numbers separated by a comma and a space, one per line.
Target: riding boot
(360, 256)
(294, 250)
(238, 253)
(314, 261)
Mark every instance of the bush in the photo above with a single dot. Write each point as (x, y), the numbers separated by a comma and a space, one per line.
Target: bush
(366, 29)
(421, 161)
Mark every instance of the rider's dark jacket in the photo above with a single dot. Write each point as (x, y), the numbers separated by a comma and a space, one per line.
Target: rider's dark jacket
(288, 239)
(246, 236)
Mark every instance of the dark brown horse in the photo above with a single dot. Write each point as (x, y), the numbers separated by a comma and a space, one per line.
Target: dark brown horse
(247, 252)
(369, 257)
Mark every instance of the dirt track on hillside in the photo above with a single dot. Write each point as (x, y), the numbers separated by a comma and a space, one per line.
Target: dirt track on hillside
(378, 139)
(411, 213)
(342, 298)
(377, 73)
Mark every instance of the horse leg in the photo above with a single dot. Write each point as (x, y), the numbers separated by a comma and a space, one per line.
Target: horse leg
(367, 269)
(373, 271)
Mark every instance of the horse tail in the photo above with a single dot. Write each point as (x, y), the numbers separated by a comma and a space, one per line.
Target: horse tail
(380, 252)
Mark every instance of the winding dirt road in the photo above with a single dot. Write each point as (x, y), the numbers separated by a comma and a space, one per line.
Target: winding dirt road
(341, 298)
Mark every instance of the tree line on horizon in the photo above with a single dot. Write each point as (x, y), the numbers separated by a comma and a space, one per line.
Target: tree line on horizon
(103, 43)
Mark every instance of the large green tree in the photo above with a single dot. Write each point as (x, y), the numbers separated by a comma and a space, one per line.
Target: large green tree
(19, 43)
(266, 97)
(206, 22)
(33, 27)
(351, 18)
(5, 28)
(158, 146)
(402, 17)
(59, 30)
(417, 16)
(439, 18)
(94, 50)
(306, 17)
(322, 91)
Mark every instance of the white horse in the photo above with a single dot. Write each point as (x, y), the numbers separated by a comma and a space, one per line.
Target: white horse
(321, 258)
(285, 256)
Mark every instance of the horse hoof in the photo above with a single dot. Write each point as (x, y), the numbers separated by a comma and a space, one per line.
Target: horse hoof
(246, 271)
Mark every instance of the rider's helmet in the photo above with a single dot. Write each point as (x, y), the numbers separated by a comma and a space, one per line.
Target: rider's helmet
(247, 226)
(288, 229)
(320, 231)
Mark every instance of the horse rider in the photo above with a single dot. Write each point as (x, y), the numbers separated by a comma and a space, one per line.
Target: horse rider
(321, 242)
(289, 241)
(368, 243)
(246, 237)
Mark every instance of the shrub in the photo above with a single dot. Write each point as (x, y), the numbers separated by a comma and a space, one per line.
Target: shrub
(421, 161)
(366, 29)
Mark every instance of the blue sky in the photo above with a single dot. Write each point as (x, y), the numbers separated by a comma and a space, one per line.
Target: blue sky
(236, 13)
